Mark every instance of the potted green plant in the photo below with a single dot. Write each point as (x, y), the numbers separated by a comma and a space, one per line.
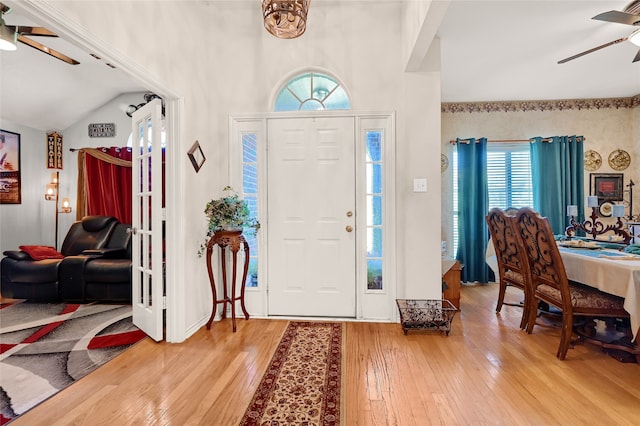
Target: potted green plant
(228, 213)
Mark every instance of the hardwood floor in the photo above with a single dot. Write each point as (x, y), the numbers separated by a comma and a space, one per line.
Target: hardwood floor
(487, 371)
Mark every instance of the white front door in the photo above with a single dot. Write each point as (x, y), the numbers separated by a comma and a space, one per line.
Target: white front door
(311, 217)
(147, 267)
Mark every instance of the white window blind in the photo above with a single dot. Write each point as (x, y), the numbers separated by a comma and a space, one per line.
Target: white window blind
(508, 179)
(509, 175)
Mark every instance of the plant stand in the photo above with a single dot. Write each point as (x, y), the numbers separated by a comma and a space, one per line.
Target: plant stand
(231, 240)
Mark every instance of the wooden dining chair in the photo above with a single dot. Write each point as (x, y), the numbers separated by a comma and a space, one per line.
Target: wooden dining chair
(550, 283)
(512, 264)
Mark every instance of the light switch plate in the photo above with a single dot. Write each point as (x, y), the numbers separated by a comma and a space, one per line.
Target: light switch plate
(420, 185)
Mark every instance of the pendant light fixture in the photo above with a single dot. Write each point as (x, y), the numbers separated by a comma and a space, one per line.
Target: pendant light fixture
(285, 18)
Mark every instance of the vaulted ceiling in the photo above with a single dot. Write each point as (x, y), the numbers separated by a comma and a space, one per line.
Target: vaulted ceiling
(491, 50)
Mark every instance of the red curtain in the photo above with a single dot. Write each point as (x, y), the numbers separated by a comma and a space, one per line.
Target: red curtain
(106, 182)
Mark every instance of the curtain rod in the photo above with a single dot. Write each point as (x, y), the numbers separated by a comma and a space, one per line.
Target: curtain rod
(80, 149)
(454, 141)
(467, 140)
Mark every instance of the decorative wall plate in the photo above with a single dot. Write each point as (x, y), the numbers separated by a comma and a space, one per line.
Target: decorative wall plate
(592, 160)
(619, 159)
(444, 162)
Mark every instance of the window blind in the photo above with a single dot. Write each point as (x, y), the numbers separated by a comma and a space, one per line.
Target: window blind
(508, 179)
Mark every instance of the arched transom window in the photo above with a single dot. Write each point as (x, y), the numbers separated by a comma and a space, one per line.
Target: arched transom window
(312, 91)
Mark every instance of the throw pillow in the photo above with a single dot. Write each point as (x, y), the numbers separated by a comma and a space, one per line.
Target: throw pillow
(42, 252)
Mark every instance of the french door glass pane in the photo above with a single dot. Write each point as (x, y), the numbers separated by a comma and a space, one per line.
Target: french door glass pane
(250, 196)
(374, 274)
(374, 210)
(373, 146)
(374, 249)
(374, 178)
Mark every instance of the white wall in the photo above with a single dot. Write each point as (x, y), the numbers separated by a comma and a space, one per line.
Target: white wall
(32, 221)
(220, 60)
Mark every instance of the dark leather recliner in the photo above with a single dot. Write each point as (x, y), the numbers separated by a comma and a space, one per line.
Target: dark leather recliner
(39, 280)
(100, 274)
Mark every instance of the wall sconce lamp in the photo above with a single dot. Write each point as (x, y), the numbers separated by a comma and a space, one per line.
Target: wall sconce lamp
(51, 194)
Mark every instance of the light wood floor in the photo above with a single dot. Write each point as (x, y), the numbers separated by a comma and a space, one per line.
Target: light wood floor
(486, 371)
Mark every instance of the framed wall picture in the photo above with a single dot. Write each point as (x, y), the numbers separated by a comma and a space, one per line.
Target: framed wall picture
(196, 156)
(607, 186)
(10, 182)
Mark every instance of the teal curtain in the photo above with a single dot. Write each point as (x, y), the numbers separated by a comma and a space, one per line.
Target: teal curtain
(557, 173)
(473, 205)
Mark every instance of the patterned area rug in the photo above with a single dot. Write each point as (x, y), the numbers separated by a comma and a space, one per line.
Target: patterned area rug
(302, 383)
(46, 347)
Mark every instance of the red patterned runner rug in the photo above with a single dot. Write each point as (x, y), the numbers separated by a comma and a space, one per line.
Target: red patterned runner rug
(303, 381)
(46, 347)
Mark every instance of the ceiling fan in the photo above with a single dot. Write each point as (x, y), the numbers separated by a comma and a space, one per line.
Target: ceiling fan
(10, 34)
(629, 16)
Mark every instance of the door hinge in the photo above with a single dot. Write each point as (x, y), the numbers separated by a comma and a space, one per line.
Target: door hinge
(164, 302)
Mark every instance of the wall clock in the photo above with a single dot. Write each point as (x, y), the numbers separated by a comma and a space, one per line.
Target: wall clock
(592, 160)
(619, 159)
(605, 209)
(444, 162)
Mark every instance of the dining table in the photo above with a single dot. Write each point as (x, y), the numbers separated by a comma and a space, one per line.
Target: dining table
(609, 270)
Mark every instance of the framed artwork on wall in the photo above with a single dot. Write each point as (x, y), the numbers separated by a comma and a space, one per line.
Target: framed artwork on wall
(606, 186)
(196, 156)
(10, 182)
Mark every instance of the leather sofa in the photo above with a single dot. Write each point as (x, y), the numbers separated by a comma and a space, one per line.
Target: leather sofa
(94, 265)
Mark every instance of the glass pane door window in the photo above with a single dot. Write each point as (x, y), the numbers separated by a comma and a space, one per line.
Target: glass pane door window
(374, 206)
(250, 196)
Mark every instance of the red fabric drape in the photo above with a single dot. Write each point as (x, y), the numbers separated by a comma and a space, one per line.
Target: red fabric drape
(108, 186)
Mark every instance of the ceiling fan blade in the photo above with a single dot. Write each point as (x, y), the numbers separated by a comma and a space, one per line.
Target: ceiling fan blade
(586, 52)
(637, 58)
(618, 17)
(48, 51)
(32, 31)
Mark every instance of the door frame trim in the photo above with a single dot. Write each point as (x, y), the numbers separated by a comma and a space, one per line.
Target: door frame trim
(370, 305)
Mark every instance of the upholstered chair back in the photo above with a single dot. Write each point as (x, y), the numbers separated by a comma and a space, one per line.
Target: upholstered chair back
(92, 232)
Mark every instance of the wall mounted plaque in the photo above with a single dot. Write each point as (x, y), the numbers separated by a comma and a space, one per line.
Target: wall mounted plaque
(54, 151)
(102, 130)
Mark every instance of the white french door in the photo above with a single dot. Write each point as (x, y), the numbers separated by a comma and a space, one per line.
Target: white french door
(311, 216)
(146, 226)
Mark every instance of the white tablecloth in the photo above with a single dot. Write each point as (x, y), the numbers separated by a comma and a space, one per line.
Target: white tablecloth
(617, 277)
